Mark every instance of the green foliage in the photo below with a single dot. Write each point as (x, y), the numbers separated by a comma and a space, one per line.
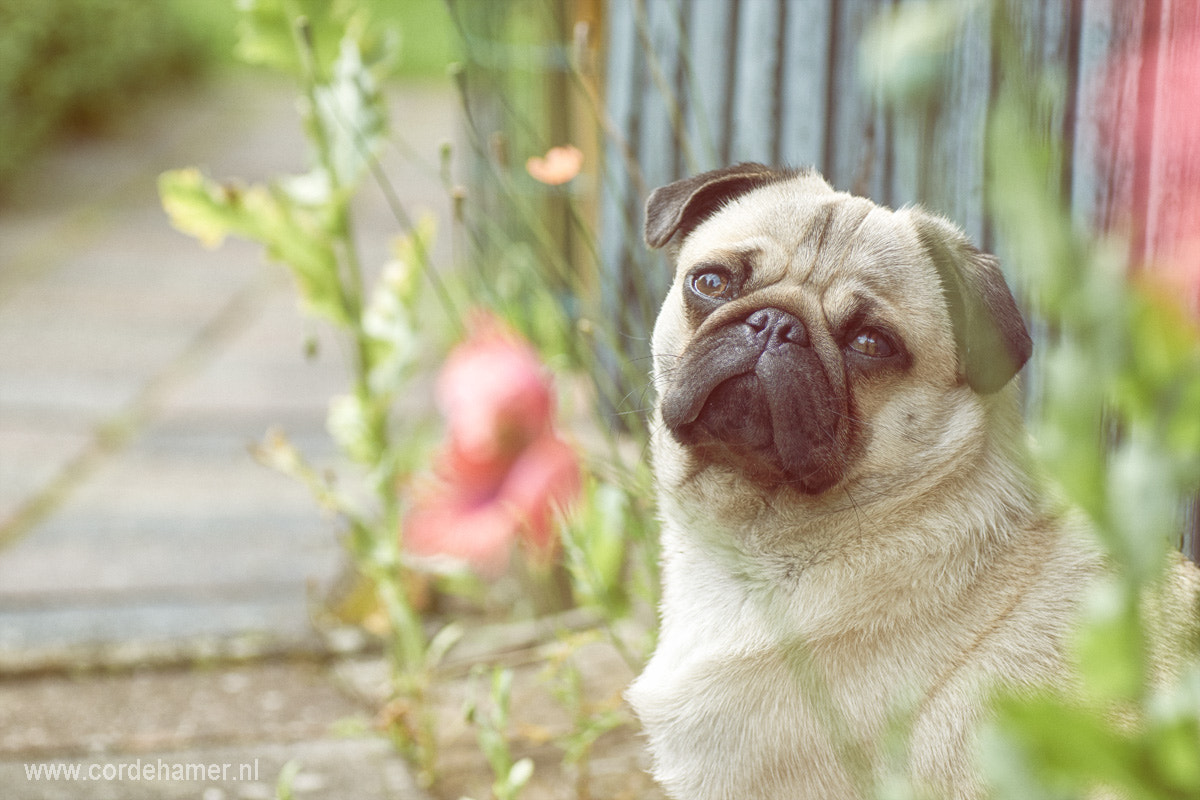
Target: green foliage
(422, 29)
(268, 29)
(1117, 428)
(304, 222)
(427, 40)
(295, 232)
(590, 720)
(610, 544)
(287, 777)
(491, 718)
(73, 63)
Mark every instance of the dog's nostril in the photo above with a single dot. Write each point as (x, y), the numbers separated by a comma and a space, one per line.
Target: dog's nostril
(776, 327)
(791, 333)
(760, 320)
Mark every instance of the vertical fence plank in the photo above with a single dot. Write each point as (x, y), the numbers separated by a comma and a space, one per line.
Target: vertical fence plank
(661, 114)
(957, 155)
(937, 149)
(803, 93)
(755, 94)
(856, 151)
(1107, 109)
(1173, 209)
(619, 244)
(1042, 30)
(912, 149)
(709, 52)
(1173, 181)
(619, 192)
(661, 145)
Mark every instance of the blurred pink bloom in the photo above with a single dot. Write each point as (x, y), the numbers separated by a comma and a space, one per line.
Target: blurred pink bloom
(494, 393)
(559, 165)
(503, 471)
(1165, 153)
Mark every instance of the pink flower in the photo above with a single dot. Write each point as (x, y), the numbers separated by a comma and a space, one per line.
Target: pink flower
(503, 471)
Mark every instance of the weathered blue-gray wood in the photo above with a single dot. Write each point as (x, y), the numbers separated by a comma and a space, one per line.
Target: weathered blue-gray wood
(1106, 102)
(756, 90)
(662, 140)
(660, 129)
(958, 141)
(856, 153)
(622, 190)
(936, 148)
(707, 79)
(804, 87)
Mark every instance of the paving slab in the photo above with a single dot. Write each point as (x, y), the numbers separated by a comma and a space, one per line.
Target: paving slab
(324, 769)
(222, 733)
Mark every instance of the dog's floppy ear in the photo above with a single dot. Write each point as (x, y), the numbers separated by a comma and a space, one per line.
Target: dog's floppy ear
(680, 206)
(993, 343)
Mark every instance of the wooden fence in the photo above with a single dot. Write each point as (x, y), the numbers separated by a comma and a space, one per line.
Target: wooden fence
(695, 84)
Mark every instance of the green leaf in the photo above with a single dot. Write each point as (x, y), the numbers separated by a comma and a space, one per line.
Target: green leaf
(389, 320)
(1143, 498)
(351, 113)
(1069, 747)
(1175, 755)
(519, 775)
(348, 422)
(296, 235)
(1111, 645)
(267, 34)
(199, 207)
(905, 51)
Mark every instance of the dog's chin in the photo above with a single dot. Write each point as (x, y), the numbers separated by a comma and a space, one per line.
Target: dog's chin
(735, 430)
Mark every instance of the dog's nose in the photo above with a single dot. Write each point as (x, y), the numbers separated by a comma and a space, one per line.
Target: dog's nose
(773, 327)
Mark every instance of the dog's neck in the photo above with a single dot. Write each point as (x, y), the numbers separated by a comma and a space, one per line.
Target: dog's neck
(840, 548)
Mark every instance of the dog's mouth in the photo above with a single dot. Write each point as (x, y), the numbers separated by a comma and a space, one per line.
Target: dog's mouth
(761, 403)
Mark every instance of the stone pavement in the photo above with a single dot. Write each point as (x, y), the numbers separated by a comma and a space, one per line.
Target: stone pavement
(136, 531)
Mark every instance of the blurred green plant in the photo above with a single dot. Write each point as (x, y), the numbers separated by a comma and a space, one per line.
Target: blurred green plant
(339, 54)
(530, 90)
(287, 777)
(1118, 428)
(491, 718)
(305, 222)
(79, 65)
(591, 718)
(72, 64)
(530, 251)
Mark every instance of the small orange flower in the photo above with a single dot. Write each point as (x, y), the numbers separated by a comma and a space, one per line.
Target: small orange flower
(559, 165)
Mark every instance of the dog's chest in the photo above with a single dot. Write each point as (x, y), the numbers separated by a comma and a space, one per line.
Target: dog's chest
(765, 723)
(738, 702)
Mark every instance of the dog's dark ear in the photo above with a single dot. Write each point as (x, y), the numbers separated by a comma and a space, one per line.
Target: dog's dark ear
(993, 342)
(679, 207)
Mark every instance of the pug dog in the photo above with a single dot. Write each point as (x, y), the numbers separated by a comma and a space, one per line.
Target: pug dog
(855, 549)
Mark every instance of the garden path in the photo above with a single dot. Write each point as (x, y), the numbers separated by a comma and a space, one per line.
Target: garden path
(135, 528)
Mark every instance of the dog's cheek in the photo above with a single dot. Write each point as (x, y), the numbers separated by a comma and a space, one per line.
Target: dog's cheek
(667, 343)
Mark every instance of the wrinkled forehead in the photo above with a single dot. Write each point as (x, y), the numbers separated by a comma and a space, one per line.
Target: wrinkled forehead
(812, 235)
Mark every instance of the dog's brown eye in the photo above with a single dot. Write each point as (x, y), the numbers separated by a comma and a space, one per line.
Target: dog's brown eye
(713, 284)
(873, 343)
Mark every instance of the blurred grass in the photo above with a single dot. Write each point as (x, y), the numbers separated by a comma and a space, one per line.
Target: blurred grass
(73, 66)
